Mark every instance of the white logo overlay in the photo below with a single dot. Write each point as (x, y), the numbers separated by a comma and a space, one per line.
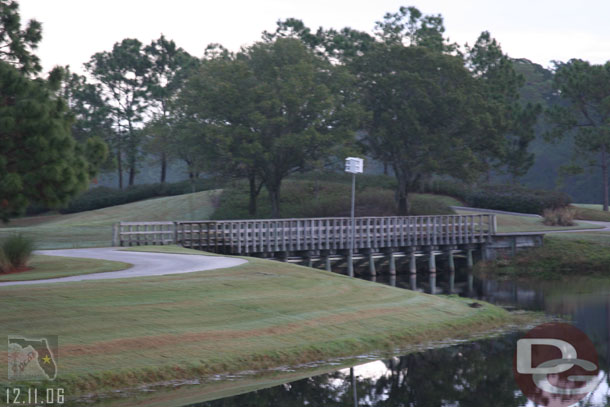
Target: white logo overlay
(556, 365)
(540, 373)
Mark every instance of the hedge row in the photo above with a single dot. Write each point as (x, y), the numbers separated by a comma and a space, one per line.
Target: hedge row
(102, 197)
(513, 198)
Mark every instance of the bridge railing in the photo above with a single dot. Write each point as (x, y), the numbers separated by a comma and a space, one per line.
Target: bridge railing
(282, 235)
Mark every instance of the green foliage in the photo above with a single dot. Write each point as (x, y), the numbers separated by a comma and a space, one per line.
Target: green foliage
(121, 75)
(15, 252)
(585, 88)
(515, 119)
(304, 197)
(270, 110)
(17, 43)
(39, 160)
(428, 115)
(512, 198)
(102, 197)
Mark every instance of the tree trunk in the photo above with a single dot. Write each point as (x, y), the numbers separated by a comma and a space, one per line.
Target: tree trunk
(253, 195)
(120, 168)
(163, 167)
(385, 168)
(274, 197)
(132, 173)
(605, 176)
(402, 198)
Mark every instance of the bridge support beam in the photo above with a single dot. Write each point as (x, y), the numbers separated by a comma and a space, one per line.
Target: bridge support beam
(432, 262)
(327, 264)
(372, 270)
(451, 261)
(350, 264)
(412, 264)
(469, 261)
(392, 261)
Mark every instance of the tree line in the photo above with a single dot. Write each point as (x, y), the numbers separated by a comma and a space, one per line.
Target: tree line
(301, 99)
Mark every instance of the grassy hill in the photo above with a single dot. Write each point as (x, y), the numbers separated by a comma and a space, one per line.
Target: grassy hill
(257, 315)
(300, 198)
(94, 228)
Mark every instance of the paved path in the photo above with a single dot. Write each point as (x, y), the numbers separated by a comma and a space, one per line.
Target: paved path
(144, 264)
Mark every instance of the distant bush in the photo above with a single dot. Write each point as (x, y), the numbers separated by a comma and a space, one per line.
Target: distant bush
(15, 252)
(512, 198)
(102, 197)
(304, 198)
(559, 216)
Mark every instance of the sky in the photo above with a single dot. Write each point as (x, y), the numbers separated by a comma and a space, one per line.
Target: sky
(539, 30)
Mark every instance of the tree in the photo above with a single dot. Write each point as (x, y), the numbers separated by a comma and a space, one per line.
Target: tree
(39, 160)
(275, 107)
(122, 74)
(169, 68)
(221, 99)
(501, 83)
(428, 115)
(585, 89)
(17, 44)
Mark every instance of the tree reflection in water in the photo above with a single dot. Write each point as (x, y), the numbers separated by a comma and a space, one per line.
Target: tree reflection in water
(475, 374)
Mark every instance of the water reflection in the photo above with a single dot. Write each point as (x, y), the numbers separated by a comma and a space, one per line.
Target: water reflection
(469, 375)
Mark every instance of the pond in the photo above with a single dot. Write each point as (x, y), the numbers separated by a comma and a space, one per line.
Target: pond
(471, 374)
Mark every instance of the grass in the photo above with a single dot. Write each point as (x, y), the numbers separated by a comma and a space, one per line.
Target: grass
(591, 212)
(44, 267)
(515, 223)
(118, 333)
(562, 257)
(94, 228)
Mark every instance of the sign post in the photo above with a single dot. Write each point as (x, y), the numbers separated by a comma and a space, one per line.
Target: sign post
(354, 166)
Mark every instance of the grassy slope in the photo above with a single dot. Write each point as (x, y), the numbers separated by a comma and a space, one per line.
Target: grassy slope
(563, 256)
(43, 267)
(256, 315)
(94, 228)
(591, 212)
(515, 223)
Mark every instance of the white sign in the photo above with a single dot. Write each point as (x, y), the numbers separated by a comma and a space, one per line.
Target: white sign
(354, 165)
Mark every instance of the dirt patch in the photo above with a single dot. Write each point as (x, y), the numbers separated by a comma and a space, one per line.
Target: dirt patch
(15, 270)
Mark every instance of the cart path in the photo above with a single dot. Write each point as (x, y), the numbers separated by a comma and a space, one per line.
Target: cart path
(145, 264)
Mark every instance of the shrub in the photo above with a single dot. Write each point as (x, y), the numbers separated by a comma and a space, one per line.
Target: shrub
(559, 217)
(15, 252)
(5, 266)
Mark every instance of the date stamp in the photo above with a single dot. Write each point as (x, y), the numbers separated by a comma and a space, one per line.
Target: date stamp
(32, 396)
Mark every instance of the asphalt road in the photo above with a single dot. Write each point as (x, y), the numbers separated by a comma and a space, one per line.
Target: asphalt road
(145, 264)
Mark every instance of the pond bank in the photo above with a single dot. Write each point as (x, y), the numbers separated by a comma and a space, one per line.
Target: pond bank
(259, 315)
(561, 257)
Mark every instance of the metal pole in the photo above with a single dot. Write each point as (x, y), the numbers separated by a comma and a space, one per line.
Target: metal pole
(353, 232)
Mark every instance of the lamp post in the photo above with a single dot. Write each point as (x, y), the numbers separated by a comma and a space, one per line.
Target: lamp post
(354, 166)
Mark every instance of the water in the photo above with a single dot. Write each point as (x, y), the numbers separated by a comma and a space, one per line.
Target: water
(468, 375)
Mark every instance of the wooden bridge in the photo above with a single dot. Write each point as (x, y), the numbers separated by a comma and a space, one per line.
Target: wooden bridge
(329, 239)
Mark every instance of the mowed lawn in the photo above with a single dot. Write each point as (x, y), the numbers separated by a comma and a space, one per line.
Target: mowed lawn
(94, 228)
(44, 267)
(515, 223)
(116, 333)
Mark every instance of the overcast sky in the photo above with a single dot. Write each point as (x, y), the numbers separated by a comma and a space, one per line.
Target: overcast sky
(540, 30)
